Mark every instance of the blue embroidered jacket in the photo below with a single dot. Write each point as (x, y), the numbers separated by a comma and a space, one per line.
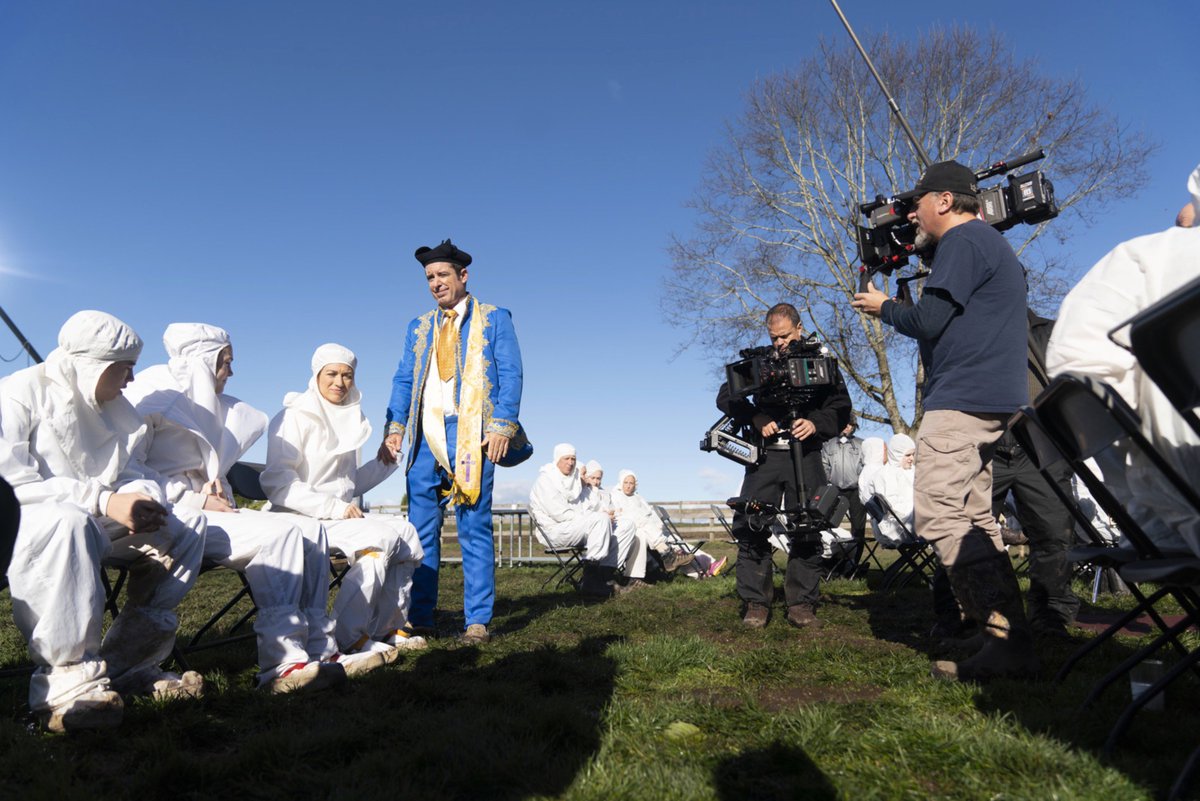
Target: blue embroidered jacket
(502, 378)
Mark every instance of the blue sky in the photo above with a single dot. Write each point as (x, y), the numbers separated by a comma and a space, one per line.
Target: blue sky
(271, 166)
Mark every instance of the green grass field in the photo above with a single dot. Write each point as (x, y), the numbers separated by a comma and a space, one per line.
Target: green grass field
(660, 694)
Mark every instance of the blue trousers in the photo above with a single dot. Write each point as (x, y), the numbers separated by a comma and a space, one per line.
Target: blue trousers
(425, 481)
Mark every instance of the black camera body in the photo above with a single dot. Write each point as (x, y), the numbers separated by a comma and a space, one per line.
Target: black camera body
(888, 239)
(784, 376)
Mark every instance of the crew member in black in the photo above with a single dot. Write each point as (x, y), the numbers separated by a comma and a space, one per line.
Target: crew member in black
(825, 412)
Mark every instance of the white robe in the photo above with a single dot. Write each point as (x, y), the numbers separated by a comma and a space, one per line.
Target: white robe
(312, 469)
(1129, 279)
(64, 534)
(563, 517)
(895, 484)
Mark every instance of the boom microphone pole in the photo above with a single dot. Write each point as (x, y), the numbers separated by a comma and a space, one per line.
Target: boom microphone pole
(912, 138)
(20, 337)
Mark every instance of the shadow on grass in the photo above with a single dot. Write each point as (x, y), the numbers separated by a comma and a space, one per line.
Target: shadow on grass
(773, 773)
(1151, 752)
(452, 725)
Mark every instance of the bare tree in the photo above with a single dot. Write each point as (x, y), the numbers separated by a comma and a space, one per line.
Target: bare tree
(778, 203)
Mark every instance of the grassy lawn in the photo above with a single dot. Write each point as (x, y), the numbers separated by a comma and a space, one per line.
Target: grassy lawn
(660, 694)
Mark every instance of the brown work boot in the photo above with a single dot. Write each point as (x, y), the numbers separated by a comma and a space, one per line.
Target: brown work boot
(988, 591)
(629, 586)
(756, 616)
(305, 677)
(802, 615)
(673, 560)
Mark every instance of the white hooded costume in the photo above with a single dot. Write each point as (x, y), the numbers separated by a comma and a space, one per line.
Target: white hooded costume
(873, 450)
(894, 484)
(563, 518)
(1131, 278)
(313, 468)
(68, 454)
(194, 436)
(651, 530)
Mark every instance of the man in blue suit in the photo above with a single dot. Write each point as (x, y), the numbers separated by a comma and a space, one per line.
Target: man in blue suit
(457, 393)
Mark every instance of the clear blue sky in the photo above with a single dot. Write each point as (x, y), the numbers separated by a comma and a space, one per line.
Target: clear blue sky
(271, 166)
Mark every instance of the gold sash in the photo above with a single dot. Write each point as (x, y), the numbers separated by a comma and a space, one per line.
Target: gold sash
(469, 448)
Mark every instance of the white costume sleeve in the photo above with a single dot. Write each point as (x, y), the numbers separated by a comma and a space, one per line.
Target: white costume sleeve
(372, 474)
(20, 468)
(175, 490)
(281, 478)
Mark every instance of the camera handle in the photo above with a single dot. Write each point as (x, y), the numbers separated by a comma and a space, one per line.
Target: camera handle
(797, 451)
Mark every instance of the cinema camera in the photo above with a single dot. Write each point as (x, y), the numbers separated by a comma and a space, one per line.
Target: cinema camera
(791, 378)
(888, 239)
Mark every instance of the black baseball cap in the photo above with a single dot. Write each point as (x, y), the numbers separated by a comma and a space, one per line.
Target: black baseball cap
(948, 176)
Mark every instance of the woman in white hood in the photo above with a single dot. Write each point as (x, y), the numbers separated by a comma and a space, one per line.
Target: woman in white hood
(894, 482)
(196, 432)
(874, 452)
(85, 497)
(313, 468)
(652, 532)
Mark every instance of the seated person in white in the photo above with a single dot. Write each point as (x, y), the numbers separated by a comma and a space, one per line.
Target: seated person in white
(313, 468)
(1131, 278)
(874, 458)
(562, 519)
(894, 483)
(195, 434)
(591, 475)
(70, 456)
(652, 531)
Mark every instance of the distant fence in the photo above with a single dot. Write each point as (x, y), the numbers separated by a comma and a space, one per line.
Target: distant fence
(513, 529)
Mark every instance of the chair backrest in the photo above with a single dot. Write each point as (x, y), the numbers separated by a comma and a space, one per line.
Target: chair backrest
(1045, 455)
(1086, 418)
(244, 478)
(1165, 338)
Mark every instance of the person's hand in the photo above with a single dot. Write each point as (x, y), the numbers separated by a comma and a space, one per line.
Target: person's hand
(765, 425)
(137, 512)
(394, 443)
(352, 512)
(214, 504)
(387, 454)
(869, 302)
(496, 445)
(803, 429)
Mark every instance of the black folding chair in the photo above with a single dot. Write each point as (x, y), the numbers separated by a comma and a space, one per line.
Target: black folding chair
(569, 559)
(719, 514)
(674, 537)
(1097, 552)
(914, 556)
(1088, 418)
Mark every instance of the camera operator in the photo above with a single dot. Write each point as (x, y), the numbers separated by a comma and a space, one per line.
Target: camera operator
(825, 412)
(970, 323)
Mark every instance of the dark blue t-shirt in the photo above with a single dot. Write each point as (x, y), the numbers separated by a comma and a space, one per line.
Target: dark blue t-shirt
(977, 364)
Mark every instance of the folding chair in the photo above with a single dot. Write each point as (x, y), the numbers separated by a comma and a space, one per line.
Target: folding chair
(914, 556)
(1099, 552)
(674, 538)
(719, 514)
(569, 558)
(1086, 418)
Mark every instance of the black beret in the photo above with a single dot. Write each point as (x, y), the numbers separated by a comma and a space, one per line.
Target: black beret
(948, 176)
(443, 252)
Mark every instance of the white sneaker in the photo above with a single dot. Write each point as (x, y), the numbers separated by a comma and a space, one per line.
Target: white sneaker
(100, 709)
(405, 640)
(308, 677)
(358, 664)
(171, 685)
